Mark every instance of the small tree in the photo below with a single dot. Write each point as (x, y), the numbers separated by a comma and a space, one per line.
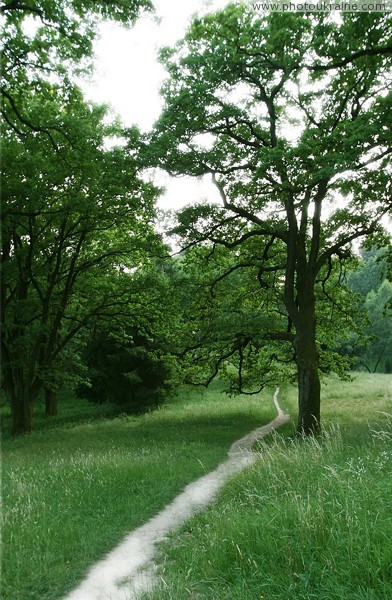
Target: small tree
(291, 116)
(126, 370)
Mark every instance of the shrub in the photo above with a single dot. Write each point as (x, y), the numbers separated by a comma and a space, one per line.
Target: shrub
(129, 370)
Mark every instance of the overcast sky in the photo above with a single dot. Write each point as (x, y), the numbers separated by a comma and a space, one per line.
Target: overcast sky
(128, 76)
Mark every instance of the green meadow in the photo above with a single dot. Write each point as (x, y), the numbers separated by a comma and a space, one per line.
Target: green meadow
(82, 480)
(311, 519)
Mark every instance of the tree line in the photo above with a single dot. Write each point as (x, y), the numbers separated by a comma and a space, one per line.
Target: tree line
(290, 116)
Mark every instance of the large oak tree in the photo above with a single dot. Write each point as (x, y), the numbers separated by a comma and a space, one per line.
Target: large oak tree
(76, 217)
(75, 224)
(291, 116)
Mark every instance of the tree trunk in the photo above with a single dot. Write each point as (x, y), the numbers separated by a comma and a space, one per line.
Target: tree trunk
(22, 414)
(380, 356)
(21, 398)
(308, 378)
(308, 399)
(50, 403)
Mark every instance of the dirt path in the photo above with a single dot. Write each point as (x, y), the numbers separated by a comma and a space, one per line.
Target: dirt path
(129, 569)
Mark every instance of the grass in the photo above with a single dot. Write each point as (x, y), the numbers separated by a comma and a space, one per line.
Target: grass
(311, 520)
(72, 411)
(81, 481)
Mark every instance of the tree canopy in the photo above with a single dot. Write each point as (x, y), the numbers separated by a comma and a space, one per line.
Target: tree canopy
(48, 41)
(75, 224)
(77, 218)
(291, 116)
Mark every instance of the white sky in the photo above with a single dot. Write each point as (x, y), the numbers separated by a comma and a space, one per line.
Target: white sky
(128, 76)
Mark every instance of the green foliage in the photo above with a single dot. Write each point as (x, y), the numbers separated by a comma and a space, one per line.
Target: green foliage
(370, 272)
(373, 349)
(234, 318)
(46, 42)
(127, 370)
(76, 220)
(230, 314)
(291, 116)
(77, 217)
(379, 309)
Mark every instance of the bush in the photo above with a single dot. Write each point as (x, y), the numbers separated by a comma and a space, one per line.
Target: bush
(127, 370)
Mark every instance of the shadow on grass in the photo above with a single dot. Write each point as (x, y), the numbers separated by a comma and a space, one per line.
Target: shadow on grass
(84, 425)
(73, 411)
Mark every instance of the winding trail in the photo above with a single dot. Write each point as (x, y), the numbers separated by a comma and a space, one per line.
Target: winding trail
(129, 569)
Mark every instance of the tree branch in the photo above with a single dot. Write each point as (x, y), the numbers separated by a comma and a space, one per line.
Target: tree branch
(372, 228)
(16, 5)
(30, 125)
(349, 59)
(245, 213)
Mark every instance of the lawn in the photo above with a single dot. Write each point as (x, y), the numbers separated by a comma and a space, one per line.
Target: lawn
(82, 480)
(311, 520)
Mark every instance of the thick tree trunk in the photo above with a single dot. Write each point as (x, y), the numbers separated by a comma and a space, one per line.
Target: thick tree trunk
(50, 403)
(22, 415)
(308, 399)
(308, 381)
(21, 399)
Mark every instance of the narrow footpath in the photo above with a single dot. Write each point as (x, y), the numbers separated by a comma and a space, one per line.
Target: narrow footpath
(129, 569)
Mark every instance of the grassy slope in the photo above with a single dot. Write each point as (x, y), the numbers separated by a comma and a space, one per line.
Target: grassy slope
(76, 486)
(311, 519)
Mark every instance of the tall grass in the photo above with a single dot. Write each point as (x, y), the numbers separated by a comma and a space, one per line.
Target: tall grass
(76, 486)
(311, 520)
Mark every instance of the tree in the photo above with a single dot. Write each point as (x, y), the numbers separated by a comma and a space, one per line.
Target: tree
(127, 368)
(371, 347)
(291, 116)
(379, 309)
(234, 319)
(76, 216)
(132, 361)
(75, 222)
(370, 271)
(43, 41)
